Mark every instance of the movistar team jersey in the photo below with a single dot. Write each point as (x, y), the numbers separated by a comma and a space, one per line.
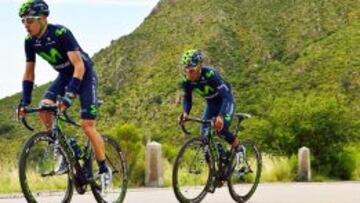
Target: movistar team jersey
(211, 86)
(53, 47)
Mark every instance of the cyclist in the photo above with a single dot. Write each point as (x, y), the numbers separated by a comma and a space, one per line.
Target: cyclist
(77, 78)
(208, 83)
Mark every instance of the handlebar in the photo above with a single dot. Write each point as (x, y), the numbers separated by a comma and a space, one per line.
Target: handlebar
(44, 108)
(240, 116)
(193, 119)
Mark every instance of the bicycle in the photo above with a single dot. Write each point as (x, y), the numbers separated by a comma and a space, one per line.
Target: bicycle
(200, 167)
(44, 154)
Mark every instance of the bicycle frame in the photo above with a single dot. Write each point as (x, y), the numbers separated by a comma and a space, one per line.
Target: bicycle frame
(224, 166)
(60, 138)
(214, 153)
(210, 146)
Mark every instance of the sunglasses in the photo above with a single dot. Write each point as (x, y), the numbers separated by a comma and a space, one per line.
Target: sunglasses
(29, 19)
(190, 69)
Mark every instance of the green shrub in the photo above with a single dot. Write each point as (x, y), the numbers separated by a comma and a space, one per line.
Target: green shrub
(338, 164)
(170, 152)
(346, 165)
(356, 174)
(323, 124)
(130, 142)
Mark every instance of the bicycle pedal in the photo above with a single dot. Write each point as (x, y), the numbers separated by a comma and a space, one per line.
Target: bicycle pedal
(48, 174)
(220, 183)
(211, 189)
(212, 186)
(81, 189)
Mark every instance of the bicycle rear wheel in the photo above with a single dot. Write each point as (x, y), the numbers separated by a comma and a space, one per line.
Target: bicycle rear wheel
(115, 160)
(191, 172)
(246, 172)
(37, 169)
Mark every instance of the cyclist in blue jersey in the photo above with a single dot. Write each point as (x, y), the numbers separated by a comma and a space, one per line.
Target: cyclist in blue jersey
(77, 78)
(208, 83)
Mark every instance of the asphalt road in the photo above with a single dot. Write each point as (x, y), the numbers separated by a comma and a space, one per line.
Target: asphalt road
(334, 192)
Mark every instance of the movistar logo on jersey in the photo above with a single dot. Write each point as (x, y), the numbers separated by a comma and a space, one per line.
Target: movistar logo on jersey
(228, 117)
(52, 56)
(93, 110)
(60, 32)
(209, 74)
(207, 90)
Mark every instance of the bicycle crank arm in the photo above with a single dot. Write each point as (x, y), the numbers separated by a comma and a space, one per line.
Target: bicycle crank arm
(48, 174)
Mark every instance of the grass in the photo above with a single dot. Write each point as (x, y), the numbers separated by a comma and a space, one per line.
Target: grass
(10, 181)
(278, 169)
(356, 173)
(274, 169)
(167, 169)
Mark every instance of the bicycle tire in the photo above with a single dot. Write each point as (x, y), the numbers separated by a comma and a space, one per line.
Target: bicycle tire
(175, 179)
(26, 149)
(95, 188)
(248, 144)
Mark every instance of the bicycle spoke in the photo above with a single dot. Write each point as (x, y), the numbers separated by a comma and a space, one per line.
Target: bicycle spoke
(37, 169)
(246, 172)
(191, 172)
(115, 161)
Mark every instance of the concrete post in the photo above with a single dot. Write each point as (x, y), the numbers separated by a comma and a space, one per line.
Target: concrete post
(153, 165)
(304, 169)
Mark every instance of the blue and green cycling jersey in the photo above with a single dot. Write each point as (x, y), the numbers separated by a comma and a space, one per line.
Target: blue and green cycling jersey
(212, 87)
(53, 46)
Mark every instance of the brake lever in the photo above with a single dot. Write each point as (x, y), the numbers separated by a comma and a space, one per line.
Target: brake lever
(23, 118)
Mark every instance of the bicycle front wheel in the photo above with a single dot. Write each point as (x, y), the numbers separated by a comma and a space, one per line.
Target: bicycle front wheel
(246, 171)
(191, 172)
(44, 169)
(115, 160)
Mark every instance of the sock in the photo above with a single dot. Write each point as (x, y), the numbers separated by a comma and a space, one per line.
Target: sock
(102, 167)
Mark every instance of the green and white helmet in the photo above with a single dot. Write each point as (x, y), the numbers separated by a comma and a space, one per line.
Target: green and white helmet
(192, 57)
(34, 8)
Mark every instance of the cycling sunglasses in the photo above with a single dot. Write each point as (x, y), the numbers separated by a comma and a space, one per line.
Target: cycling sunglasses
(29, 19)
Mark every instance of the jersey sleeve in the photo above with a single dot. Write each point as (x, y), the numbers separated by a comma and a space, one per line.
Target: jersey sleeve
(187, 98)
(224, 91)
(29, 51)
(67, 39)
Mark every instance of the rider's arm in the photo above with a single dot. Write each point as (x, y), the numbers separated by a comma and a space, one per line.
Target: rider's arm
(79, 70)
(224, 92)
(28, 82)
(187, 98)
(72, 49)
(29, 74)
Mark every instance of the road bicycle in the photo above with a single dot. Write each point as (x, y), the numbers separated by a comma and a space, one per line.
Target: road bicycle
(50, 160)
(201, 167)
